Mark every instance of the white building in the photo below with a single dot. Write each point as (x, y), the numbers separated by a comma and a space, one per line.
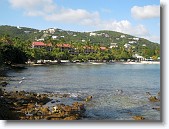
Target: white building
(93, 34)
(51, 30)
(54, 37)
(122, 36)
(139, 58)
(132, 42)
(113, 45)
(127, 46)
(83, 40)
(137, 39)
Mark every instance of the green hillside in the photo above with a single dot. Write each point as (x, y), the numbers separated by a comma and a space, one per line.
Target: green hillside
(126, 44)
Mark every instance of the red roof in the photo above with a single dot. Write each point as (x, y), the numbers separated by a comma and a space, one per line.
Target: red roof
(64, 45)
(40, 44)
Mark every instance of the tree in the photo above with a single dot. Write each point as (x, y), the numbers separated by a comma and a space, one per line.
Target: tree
(12, 55)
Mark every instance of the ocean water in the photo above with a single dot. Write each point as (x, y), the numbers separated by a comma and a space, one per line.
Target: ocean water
(118, 90)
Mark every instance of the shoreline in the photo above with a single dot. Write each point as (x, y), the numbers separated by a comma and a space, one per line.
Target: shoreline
(87, 63)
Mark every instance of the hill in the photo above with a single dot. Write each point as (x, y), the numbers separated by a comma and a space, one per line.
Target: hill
(103, 37)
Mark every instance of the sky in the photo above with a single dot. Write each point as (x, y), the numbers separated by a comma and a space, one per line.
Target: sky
(139, 18)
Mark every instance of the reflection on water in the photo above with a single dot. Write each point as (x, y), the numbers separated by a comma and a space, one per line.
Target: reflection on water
(118, 90)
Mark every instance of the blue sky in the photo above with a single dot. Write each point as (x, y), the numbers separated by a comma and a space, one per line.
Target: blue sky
(136, 17)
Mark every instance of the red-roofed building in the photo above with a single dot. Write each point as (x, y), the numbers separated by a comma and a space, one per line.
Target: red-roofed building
(40, 45)
(66, 47)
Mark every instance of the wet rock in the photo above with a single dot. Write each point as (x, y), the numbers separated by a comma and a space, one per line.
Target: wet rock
(153, 99)
(71, 118)
(78, 106)
(89, 98)
(45, 110)
(156, 108)
(138, 118)
(67, 108)
(60, 115)
(3, 83)
(119, 92)
(148, 93)
(30, 106)
(54, 118)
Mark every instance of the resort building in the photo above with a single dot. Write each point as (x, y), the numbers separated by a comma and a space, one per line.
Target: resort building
(66, 47)
(40, 45)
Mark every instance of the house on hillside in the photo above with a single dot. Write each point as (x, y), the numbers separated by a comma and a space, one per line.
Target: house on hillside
(122, 36)
(113, 45)
(137, 39)
(51, 30)
(132, 42)
(41, 45)
(127, 46)
(92, 34)
(54, 37)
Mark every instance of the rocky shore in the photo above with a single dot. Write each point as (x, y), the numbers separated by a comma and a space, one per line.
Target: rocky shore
(21, 105)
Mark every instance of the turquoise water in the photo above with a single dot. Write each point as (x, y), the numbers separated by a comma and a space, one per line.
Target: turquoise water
(118, 90)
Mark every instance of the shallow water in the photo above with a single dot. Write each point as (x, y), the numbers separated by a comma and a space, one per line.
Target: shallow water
(118, 90)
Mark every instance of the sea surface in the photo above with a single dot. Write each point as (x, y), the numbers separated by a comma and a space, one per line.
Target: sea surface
(118, 90)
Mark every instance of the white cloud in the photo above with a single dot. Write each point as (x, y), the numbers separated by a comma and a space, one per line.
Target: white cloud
(34, 7)
(124, 26)
(153, 38)
(30, 4)
(79, 16)
(145, 12)
(48, 10)
(51, 12)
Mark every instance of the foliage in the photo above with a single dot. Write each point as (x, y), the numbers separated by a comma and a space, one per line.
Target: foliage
(12, 55)
(15, 46)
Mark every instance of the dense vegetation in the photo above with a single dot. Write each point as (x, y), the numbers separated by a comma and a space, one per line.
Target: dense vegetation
(16, 45)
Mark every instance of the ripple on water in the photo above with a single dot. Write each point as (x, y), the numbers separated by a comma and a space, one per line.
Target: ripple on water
(119, 91)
